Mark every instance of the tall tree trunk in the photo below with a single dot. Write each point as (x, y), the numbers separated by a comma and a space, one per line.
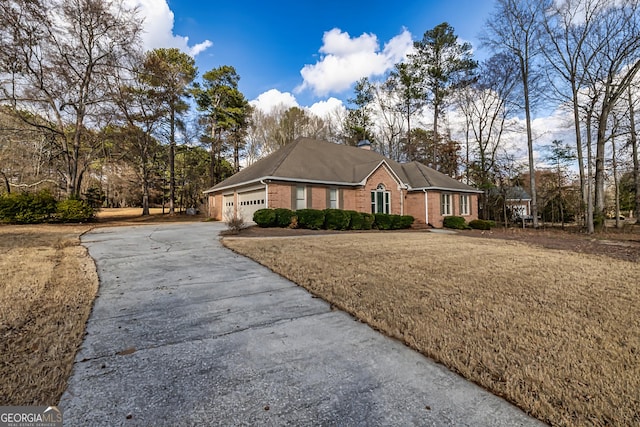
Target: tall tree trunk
(590, 226)
(212, 166)
(145, 181)
(212, 169)
(236, 156)
(466, 135)
(634, 154)
(408, 124)
(579, 154)
(6, 182)
(436, 112)
(172, 162)
(615, 180)
(600, 166)
(78, 188)
(532, 166)
(217, 157)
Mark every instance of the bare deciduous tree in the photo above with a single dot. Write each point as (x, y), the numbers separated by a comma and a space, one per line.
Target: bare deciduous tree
(487, 105)
(569, 52)
(55, 60)
(515, 27)
(616, 64)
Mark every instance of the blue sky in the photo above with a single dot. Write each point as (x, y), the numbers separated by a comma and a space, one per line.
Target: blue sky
(332, 43)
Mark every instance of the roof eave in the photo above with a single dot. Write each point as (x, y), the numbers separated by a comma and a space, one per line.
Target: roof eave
(226, 187)
(285, 179)
(456, 190)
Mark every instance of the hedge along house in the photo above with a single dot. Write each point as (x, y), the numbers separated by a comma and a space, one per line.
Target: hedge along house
(316, 174)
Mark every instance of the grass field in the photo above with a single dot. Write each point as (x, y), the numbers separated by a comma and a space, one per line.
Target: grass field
(47, 288)
(555, 332)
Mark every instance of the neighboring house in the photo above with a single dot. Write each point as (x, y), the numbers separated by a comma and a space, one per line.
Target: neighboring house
(316, 174)
(518, 202)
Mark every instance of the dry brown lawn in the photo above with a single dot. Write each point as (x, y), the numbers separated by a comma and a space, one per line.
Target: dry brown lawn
(555, 332)
(47, 288)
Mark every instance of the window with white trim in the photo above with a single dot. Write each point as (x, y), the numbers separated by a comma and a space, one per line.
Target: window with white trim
(301, 197)
(333, 198)
(445, 204)
(380, 200)
(464, 204)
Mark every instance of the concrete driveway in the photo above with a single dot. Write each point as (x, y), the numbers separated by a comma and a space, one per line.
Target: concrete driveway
(185, 332)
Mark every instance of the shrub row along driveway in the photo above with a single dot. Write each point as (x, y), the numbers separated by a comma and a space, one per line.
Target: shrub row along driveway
(185, 332)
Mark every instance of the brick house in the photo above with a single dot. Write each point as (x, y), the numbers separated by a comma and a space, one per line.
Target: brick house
(316, 174)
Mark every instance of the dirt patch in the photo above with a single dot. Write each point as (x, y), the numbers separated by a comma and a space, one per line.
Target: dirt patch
(618, 245)
(554, 331)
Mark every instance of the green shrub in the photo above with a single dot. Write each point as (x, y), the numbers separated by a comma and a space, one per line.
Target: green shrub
(455, 222)
(356, 220)
(265, 218)
(395, 222)
(284, 217)
(481, 224)
(312, 219)
(383, 221)
(27, 208)
(367, 221)
(336, 219)
(406, 221)
(74, 210)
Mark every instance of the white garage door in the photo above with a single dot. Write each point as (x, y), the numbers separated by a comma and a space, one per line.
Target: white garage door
(227, 207)
(249, 202)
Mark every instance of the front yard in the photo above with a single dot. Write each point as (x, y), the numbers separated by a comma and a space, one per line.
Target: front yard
(47, 288)
(556, 332)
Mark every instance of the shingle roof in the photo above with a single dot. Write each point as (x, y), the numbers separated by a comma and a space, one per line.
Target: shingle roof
(309, 160)
(517, 193)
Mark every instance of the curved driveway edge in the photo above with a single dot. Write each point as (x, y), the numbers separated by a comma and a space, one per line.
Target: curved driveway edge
(186, 332)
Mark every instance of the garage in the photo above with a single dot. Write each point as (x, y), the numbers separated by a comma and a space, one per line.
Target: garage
(251, 201)
(227, 206)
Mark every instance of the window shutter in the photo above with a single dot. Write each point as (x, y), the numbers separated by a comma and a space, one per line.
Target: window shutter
(387, 202)
(340, 199)
(294, 189)
(307, 194)
(328, 200)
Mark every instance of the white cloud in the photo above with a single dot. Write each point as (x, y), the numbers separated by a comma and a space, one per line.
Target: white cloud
(326, 108)
(344, 60)
(158, 28)
(273, 98)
